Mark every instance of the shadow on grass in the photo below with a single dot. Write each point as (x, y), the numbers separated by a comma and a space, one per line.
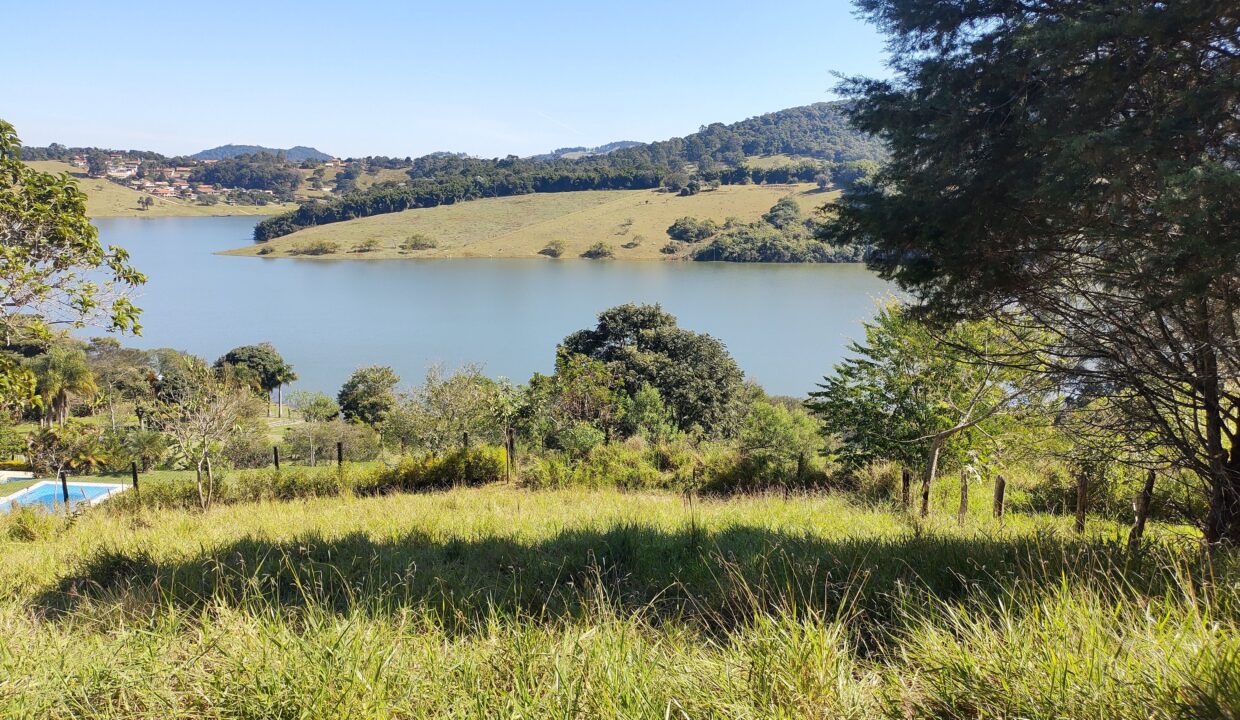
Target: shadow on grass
(718, 578)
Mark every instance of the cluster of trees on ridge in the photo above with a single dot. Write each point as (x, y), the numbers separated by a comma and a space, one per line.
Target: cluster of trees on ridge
(714, 154)
(261, 171)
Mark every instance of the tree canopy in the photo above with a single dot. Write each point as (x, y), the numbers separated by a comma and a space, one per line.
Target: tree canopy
(53, 269)
(693, 372)
(1073, 167)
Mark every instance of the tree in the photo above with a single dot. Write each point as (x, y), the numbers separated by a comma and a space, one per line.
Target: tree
(264, 364)
(314, 406)
(437, 413)
(74, 447)
(919, 398)
(62, 373)
(368, 394)
(53, 269)
(1072, 167)
(122, 374)
(784, 214)
(694, 374)
(199, 414)
(96, 163)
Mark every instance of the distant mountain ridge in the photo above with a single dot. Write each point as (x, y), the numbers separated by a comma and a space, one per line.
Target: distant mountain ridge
(294, 154)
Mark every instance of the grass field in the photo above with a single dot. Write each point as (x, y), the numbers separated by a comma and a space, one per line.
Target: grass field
(522, 225)
(105, 198)
(500, 602)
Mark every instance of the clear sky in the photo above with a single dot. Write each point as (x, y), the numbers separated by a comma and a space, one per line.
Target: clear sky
(407, 78)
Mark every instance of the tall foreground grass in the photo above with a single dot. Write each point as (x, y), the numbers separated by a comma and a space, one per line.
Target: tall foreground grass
(497, 602)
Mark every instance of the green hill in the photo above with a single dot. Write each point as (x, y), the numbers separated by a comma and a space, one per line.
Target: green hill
(522, 225)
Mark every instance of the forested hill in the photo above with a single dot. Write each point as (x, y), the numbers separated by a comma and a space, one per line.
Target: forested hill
(817, 137)
(294, 154)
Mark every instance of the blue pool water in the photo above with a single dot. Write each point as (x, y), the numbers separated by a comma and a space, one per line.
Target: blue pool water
(50, 495)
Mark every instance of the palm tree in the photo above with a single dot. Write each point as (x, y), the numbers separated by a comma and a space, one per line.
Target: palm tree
(61, 373)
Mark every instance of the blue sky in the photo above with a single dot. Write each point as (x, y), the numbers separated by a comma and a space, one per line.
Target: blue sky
(408, 78)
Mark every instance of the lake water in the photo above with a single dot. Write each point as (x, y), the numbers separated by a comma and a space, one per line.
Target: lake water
(785, 324)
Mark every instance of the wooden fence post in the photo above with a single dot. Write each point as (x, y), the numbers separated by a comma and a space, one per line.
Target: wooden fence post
(1000, 488)
(275, 453)
(134, 468)
(906, 484)
(64, 487)
(1141, 508)
(964, 496)
(339, 454)
(1082, 500)
(510, 451)
(465, 439)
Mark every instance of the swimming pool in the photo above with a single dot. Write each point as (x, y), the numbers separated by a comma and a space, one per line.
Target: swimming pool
(50, 495)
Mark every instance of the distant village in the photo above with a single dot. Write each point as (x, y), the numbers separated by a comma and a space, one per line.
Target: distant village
(174, 181)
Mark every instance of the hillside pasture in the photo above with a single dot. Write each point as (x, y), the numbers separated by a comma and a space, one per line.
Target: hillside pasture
(633, 222)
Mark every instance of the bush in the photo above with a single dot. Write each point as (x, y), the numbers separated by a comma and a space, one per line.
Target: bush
(617, 466)
(599, 251)
(878, 481)
(464, 466)
(418, 241)
(367, 245)
(315, 442)
(635, 242)
(318, 247)
(671, 248)
(691, 230)
(548, 472)
(554, 249)
(579, 439)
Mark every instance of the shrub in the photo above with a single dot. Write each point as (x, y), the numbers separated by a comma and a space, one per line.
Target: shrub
(671, 248)
(464, 466)
(318, 247)
(418, 241)
(599, 251)
(367, 245)
(691, 230)
(617, 466)
(877, 481)
(547, 472)
(554, 249)
(635, 242)
(579, 439)
(315, 442)
(266, 250)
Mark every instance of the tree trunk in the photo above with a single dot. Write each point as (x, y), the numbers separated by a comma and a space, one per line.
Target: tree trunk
(1141, 508)
(964, 496)
(1082, 500)
(1223, 518)
(202, 498)
(1000, 487)
(906, 482)
(210, 482)
(932, 469)
(280, 400)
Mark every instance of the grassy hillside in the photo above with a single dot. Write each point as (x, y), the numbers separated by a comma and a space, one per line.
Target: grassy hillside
(500, 602)
(105, 198)
(521, 225)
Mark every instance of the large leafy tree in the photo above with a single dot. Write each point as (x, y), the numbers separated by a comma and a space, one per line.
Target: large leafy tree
(1074, 166)
(694, 373)
(53, 269)
(369, 394)
(263, 365)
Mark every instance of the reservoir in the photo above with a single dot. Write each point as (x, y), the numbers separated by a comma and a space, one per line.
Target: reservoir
(785, 324)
